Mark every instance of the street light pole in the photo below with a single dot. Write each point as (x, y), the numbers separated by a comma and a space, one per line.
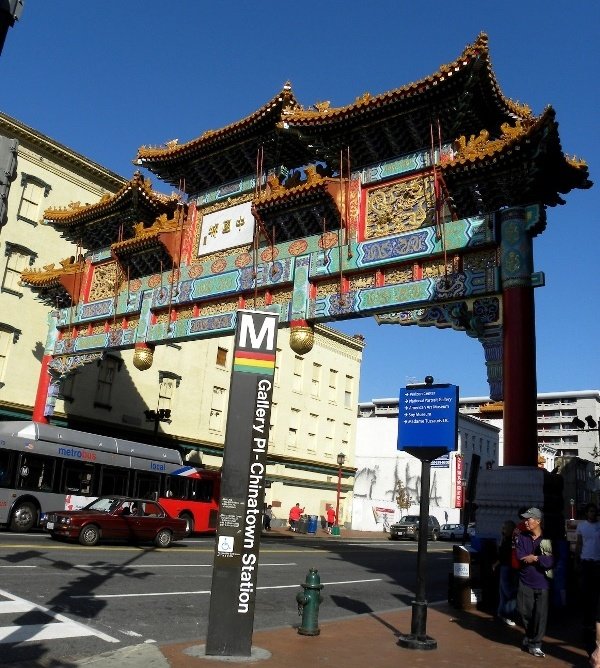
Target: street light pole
(341, 458)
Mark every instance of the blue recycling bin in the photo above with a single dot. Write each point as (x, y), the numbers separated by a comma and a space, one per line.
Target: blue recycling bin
(313, 523)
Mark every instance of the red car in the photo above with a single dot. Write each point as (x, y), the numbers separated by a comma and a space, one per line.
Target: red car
(116, 518)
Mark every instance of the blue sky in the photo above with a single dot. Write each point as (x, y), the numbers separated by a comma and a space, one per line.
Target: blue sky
(105, 78)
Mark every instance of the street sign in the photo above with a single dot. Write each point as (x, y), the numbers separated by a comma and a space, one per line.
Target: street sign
(428, 420)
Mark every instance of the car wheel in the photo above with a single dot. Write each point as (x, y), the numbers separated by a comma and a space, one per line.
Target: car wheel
(452, 536)
(189, 523)
(164, 538)
(416, 536)
(89, 535)
(391, 537)
(434, 535)
(23, 517)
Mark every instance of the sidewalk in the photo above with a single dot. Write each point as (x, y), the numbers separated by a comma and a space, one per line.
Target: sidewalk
(465, 638)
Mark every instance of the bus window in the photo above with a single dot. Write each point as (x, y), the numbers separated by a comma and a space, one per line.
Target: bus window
(202, 490)
(176, 487)
(36, 472)
(115, 481)
(6, 468)
(147, 485)
(77, 478)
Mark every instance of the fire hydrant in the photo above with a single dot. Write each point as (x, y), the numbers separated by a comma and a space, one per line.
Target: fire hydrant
(308, 604)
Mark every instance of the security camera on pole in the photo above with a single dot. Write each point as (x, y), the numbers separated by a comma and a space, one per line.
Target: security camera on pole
(427, 429)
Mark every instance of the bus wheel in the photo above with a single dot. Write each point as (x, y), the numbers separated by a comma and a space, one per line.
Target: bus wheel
(23, 517)
(89, 535)
(164, 538)
(189, 523)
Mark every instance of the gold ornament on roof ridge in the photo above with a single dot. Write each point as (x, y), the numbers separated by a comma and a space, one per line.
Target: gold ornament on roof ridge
(481, 145)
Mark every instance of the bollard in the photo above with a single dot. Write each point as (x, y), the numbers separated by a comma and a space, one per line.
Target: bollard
(308, 604)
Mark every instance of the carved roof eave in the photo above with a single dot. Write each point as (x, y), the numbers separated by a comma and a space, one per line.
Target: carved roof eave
(51, 275)
(286, 197)
(148, 239)
(271, 112)
(51, 280)
(479, 152)
(76, 214)
(478, 51)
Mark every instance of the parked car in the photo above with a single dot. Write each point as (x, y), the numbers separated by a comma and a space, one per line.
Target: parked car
(408, 527)
(452, 531)
(116, 518)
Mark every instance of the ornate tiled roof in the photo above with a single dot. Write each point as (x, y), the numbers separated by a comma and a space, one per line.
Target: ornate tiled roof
(98, 225)
(322, 112)
(137, 188)
(57, 286)
(462, 97)
(272, 110)
(524, 164)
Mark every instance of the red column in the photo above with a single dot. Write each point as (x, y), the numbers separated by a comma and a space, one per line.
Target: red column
(42, 392)
(520, 383)
(519, 354)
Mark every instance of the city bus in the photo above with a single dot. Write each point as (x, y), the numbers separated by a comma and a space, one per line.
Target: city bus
(44, 467)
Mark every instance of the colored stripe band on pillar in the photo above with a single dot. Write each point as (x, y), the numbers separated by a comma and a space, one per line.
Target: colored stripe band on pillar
(253, 362)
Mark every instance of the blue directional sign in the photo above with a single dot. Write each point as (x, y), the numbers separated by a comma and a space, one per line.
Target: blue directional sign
(428, 420)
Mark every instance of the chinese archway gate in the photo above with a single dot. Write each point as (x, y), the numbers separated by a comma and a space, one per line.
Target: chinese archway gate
(418, 206)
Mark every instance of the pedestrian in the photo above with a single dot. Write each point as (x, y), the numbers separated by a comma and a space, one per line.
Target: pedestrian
(330, 518)
(267, 517)
(295, 514)
(587, 553)
(534, 553)
(508, 578)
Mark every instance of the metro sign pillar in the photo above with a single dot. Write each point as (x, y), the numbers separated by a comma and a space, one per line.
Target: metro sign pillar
(233, 591)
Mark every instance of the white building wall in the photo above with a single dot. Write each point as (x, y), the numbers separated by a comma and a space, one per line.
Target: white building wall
(380, 466)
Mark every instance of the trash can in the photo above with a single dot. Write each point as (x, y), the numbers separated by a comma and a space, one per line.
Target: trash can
(313, 522)
(462, 593)
(302, 524)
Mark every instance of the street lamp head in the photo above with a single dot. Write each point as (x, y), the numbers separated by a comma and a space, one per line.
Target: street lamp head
(592, 424)
(577, 423)
(341, 458)
(150, 415)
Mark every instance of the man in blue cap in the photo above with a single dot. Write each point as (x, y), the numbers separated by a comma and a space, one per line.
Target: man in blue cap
(534, 553)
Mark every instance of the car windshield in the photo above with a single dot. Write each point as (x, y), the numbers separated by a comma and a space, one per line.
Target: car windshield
(104, 504)
(410, 518)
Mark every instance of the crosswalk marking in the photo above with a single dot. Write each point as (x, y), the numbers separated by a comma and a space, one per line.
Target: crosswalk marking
(60, 627)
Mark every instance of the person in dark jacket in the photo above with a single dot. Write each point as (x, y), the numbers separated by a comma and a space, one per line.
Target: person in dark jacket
(507, 576)
(534, 554)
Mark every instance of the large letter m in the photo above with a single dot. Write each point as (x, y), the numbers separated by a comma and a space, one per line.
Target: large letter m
(267, 331)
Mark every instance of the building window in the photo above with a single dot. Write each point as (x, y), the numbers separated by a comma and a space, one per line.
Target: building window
(34, 190)
(221, 356)
(167, 383)
(329, 437)
(297, 380)
(293, 429)
(333, 375)
(276, 371)
(316, 380)
(217, 409)
(348, 392)
(8, 336)
(272, 422)
(106, 376)
(18, 259)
